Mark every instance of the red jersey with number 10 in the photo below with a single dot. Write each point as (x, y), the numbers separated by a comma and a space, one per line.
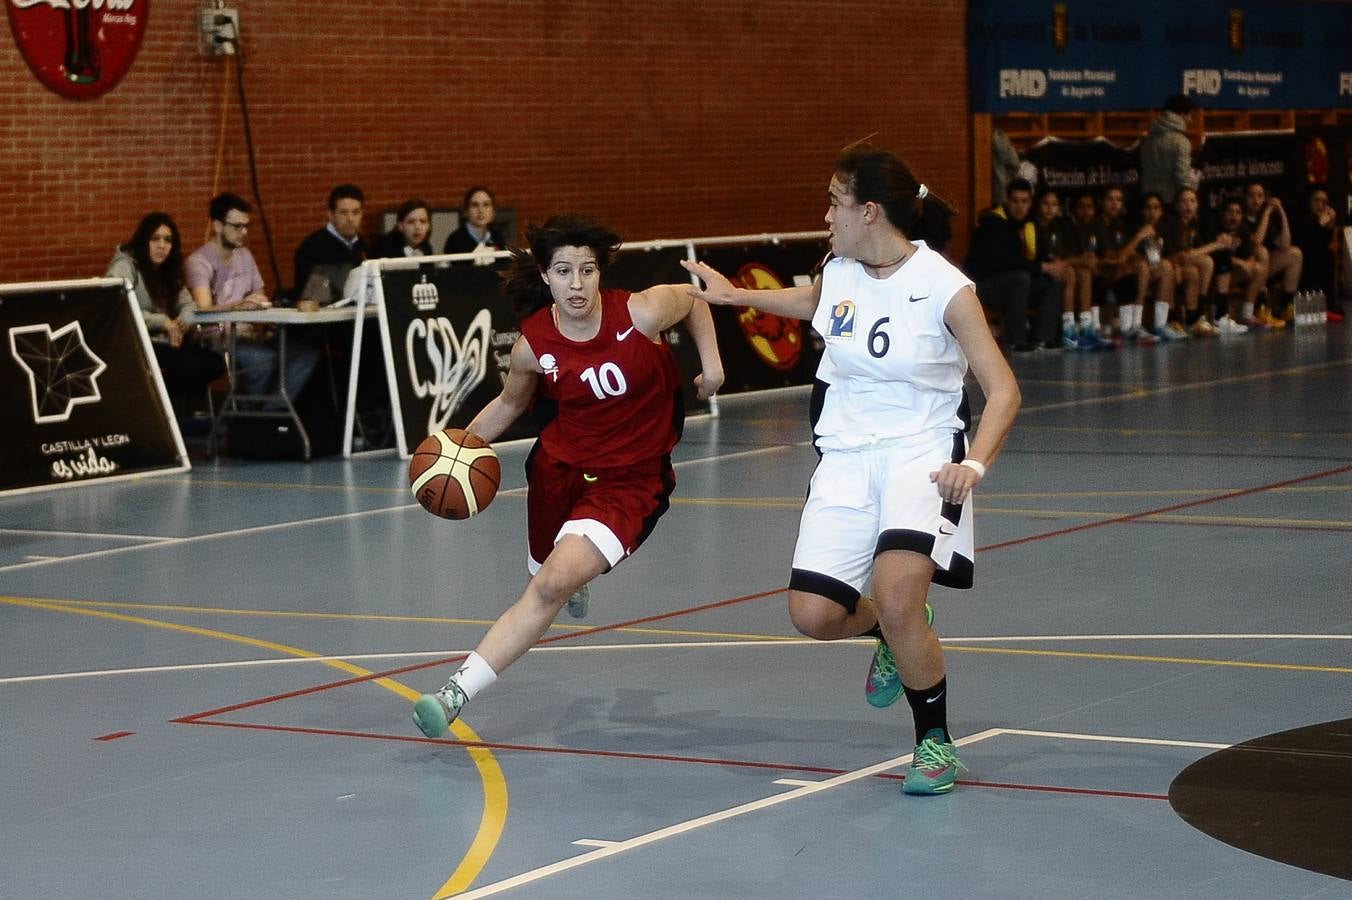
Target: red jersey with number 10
(618, 394)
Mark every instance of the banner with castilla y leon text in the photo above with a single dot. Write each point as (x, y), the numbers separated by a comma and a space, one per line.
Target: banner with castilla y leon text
(1061, 55)
(81, 397)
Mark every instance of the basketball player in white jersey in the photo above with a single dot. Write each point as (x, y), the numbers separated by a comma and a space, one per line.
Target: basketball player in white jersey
(890, 498)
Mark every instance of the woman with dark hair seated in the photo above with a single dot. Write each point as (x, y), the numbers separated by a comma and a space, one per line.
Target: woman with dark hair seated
(1316, 234)
(152, 261)
(476, 233)
(409, 237)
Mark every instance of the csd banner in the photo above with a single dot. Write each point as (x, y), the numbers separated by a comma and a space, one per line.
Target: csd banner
(1046, 56)
(81, 398)
(447, 334)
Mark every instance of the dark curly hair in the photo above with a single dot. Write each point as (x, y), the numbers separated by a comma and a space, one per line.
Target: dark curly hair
(521, 283)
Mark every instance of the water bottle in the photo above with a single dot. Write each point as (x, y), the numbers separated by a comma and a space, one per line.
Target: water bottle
(1322, 304)
(1304, 306)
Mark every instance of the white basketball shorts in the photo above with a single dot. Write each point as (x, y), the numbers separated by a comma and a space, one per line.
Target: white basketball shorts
(863, 502)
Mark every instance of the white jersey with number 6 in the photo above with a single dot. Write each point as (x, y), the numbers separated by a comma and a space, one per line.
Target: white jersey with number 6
(892, 369)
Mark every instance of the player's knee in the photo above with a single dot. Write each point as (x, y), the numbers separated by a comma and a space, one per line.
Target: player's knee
(551, 588)
(814, 616)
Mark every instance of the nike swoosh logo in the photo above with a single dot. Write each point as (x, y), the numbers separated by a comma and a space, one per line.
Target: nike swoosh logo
(621, 335)
(938, 696)
(918, 299)
(947, 533)
(590, 479)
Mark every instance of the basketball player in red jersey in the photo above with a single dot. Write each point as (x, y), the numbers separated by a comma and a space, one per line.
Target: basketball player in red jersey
(600, 475)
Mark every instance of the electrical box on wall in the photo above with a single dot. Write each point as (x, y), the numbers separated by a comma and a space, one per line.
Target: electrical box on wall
(218, 30)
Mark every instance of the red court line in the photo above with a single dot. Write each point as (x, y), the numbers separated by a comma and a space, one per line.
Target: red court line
(1229, 495)
(114, 736)
(573, 635)
(658, 757)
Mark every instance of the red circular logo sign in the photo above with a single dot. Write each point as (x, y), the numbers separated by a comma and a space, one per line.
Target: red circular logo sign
(777, 341)
(79, 48)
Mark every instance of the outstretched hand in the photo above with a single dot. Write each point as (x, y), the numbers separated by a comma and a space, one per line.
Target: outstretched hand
(718, 290)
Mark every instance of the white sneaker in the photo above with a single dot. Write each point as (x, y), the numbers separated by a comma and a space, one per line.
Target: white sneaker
(1227, 325)
(578, 603)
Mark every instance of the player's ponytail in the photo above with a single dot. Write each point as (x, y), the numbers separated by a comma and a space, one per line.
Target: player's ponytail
(883, 178)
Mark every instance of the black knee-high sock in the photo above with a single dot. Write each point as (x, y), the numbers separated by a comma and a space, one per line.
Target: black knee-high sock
(930, 709)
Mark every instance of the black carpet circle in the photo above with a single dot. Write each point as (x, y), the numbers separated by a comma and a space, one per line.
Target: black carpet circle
(1285, 796)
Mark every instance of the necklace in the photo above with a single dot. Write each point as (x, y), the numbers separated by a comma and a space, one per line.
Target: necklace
(887, 265)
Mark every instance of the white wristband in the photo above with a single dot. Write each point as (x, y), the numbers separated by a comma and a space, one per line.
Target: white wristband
(976, 466)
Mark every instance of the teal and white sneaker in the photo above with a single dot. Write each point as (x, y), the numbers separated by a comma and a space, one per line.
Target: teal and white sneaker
(578, 603)
(883, 686)
(434, 713)
(934, 767)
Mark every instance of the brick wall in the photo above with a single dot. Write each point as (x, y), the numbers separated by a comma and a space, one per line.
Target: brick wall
(663, 119)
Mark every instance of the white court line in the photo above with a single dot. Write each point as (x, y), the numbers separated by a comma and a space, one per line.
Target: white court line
(299, 523)
(592, 842)
(680, 828)
(793, 782)
(645, 645)
(236, 532)
(38, 532)
(1111, 739)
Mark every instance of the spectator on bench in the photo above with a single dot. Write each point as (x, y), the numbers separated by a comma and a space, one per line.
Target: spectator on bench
(1237, 263)
(1003, 261)
(222, 275)
(1155, 249)
(1316, 234)
(1055, 250)
(152, 261)
(1271, 232)
(1086, 240)
(1194, 263)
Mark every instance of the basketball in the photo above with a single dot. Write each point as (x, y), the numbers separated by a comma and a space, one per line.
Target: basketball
(454, 474)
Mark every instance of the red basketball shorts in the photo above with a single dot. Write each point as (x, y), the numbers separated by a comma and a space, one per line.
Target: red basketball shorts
(614, 508)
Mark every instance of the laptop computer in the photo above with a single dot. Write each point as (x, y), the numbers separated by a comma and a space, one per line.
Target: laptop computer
(331, 284)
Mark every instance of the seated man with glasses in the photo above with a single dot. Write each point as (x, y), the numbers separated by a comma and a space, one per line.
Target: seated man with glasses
(222, 275)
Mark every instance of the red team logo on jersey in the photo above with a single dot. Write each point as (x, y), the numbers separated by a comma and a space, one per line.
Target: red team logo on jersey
(79, 48)
(777, 340)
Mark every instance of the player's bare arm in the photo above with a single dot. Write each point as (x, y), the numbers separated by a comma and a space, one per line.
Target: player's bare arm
(659, 307)
(967, 321)
(791, 302)
(504, 409)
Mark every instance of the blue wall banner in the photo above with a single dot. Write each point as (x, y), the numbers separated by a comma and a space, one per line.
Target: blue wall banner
(1047, 56)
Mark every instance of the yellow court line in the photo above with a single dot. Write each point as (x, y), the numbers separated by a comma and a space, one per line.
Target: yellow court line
(373, 617)
(494, 818)
(1134, 657)
(61, 604)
